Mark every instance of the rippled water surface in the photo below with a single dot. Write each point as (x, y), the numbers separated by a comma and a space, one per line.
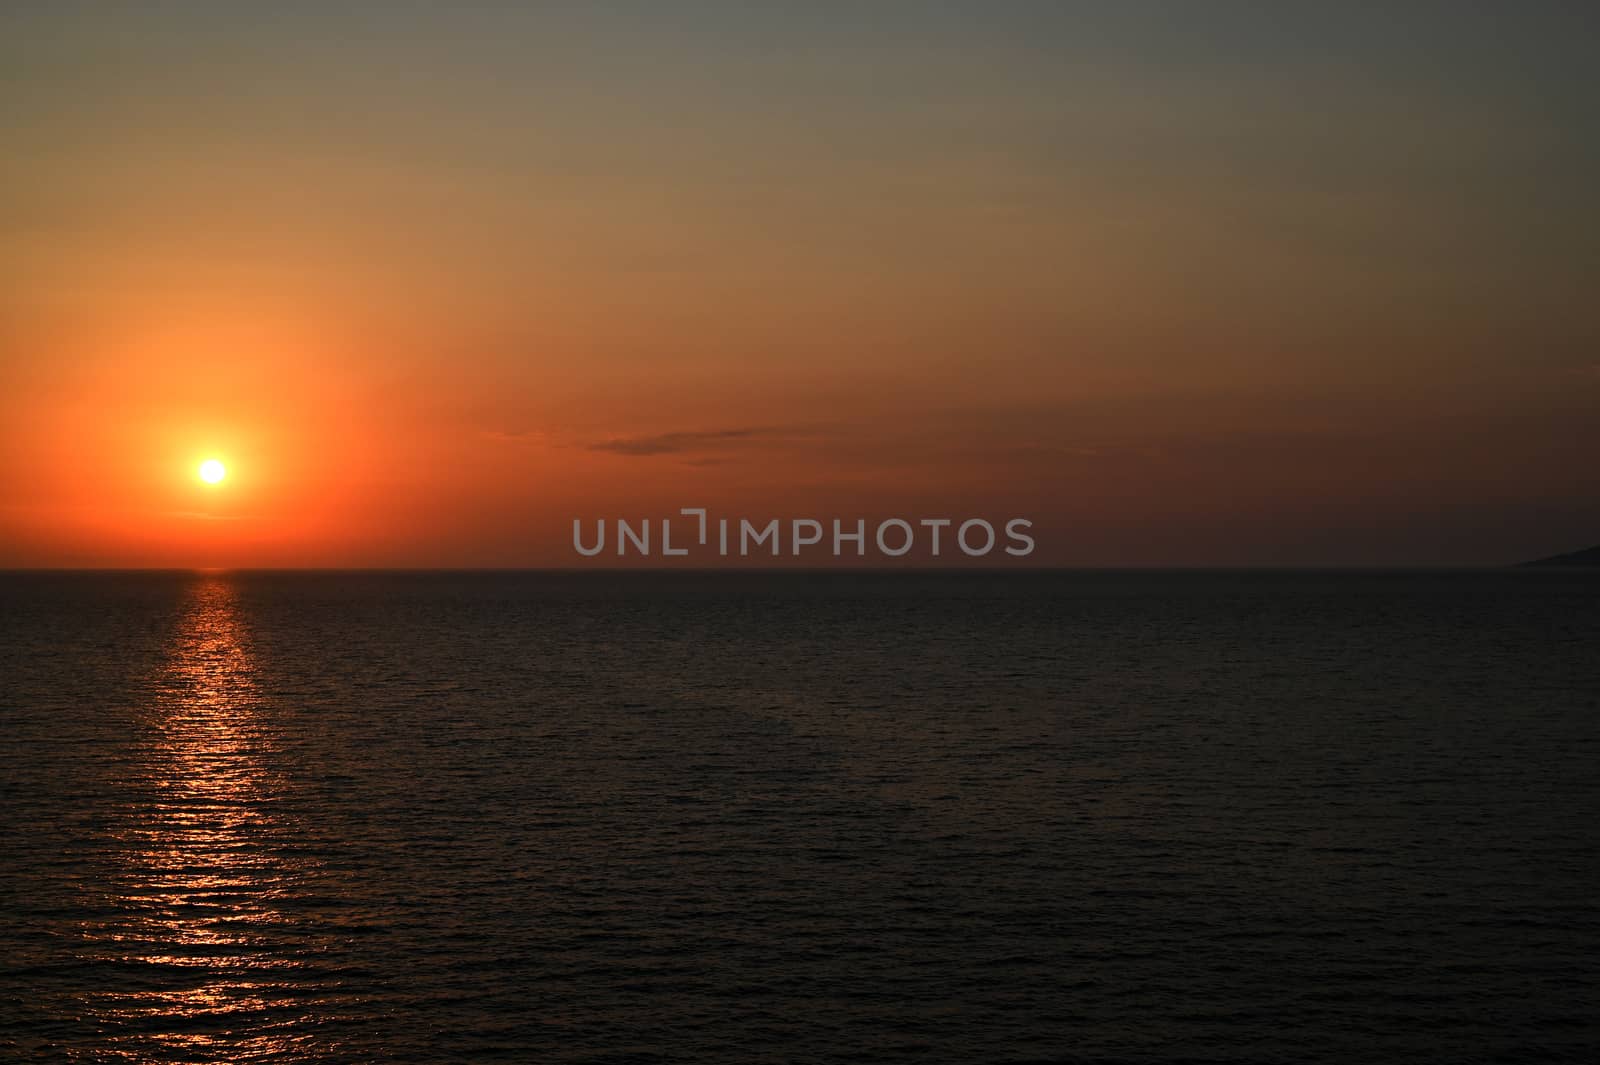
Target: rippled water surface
(764, 818)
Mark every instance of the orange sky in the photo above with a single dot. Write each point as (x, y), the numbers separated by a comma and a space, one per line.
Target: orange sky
(1183, 291)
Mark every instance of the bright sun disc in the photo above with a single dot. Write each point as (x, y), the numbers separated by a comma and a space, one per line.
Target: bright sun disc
(212, 471)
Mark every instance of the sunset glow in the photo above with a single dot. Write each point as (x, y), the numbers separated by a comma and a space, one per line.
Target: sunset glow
(212, 471)
(1165, 286)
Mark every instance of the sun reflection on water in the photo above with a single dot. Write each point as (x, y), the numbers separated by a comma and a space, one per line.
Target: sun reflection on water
(201, 943)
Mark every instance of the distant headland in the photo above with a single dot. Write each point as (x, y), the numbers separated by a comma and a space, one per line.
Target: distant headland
(1589, 556)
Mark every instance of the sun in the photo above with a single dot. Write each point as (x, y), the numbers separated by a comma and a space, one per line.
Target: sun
(212, 471)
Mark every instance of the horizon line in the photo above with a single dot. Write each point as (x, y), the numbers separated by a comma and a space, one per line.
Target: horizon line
(830, 570)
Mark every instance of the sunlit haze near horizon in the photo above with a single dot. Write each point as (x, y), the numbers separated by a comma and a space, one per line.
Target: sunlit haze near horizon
(1185, 285)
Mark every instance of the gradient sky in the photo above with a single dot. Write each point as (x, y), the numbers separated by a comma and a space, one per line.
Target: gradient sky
(1185, 284)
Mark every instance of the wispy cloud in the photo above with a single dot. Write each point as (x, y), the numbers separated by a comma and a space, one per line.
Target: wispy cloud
(680, 442)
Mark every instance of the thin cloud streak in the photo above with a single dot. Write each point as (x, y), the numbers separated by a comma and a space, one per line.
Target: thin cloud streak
(681, 442)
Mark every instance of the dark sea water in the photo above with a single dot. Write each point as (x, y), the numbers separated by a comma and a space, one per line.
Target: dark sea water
(800, 818)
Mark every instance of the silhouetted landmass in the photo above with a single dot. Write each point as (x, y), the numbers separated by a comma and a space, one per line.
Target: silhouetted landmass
(1589, 556)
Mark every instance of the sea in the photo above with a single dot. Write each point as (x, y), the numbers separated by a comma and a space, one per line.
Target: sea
(751, 817)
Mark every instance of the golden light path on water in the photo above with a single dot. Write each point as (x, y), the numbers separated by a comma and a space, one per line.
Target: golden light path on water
(205, 927)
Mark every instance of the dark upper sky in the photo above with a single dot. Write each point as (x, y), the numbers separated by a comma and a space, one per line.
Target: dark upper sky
(1186, 284)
